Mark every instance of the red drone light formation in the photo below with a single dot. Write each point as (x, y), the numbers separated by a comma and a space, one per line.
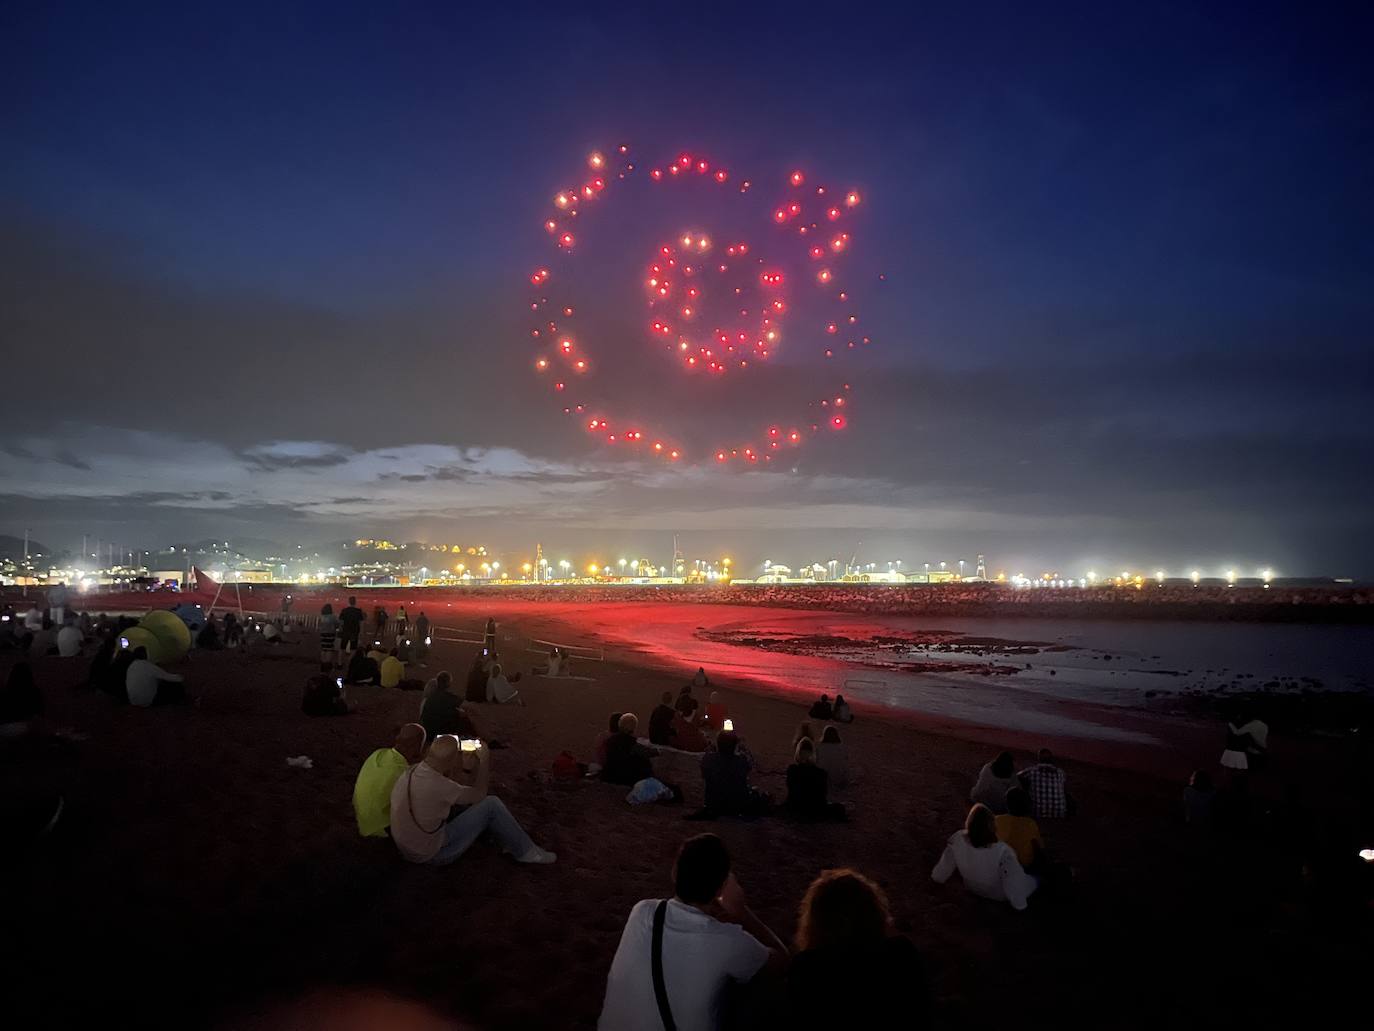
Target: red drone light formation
(684, 273)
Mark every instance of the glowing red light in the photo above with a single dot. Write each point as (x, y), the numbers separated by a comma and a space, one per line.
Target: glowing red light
(656, 174)
(797, 178)
(721, 175)
(566, 239)
(852, 198)
(838, 422)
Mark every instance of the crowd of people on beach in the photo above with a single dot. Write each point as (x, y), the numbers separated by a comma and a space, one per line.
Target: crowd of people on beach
(429, 791)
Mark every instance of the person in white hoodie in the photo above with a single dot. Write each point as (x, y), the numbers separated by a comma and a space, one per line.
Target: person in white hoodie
(150, 684)
(987, 866)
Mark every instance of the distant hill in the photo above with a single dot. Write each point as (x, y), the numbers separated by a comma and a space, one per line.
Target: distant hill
(13, 547)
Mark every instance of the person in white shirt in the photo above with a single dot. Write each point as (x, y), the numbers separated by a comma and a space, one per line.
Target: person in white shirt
(709, 938)
(987, 866)
(148, 684)
(1258, 731)
(69, 642)
(499, 689)
(33, 620)
(424, 796)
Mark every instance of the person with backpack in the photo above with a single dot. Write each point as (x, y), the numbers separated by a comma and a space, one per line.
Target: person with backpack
(678, 956)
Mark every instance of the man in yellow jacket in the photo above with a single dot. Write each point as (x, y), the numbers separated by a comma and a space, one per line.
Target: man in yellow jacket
(381, 770)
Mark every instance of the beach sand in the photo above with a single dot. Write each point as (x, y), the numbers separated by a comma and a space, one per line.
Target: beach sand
(196, 879)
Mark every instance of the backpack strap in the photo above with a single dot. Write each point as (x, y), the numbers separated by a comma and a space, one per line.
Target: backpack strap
(661, 988)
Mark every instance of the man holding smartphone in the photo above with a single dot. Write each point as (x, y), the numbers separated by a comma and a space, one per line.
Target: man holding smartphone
(424, 823)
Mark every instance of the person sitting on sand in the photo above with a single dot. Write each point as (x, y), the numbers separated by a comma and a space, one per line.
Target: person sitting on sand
(717, 712)
(69, 641)
(362, 669)
(1199, 798)
(475, 689)
(851, 969)
(443, 712)
(687, 737)
(1254, 728)
(324, 696)
(661, 721)
(842, 713)
(393, 670)
(822, 710)
(832, 757)
(1048, 788)
(208, 638)
(700, 942)
(995, 779)
(806, 787)
(381, 770)
(686, 704)
(987, 866)
(423, 824)
(99, 668)
(116, 681)
(726, 775)
(1236, 756)
(555, 662)
(627, 761)
(1018, 829)
(602, 739)
(499, 689)
(148, 684)
(805, 732)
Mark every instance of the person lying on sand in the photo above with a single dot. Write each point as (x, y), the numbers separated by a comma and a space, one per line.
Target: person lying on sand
(988, 867)
(677, 957)
(424, 823)
(381, 770)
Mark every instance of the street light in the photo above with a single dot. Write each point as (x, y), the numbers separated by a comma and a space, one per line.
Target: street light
(961, 569)
(622, 565)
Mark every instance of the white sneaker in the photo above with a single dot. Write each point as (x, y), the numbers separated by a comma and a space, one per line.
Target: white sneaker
(537, 855)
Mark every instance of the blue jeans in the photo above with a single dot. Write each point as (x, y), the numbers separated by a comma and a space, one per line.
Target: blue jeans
(465, 828)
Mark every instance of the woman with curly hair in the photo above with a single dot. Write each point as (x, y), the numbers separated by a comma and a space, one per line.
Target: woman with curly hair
(850, 968)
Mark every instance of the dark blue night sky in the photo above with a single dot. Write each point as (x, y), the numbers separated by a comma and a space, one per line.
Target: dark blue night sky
(1127, 316)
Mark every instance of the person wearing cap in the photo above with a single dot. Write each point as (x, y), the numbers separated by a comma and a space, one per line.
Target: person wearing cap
(425, 826)
(381, 769)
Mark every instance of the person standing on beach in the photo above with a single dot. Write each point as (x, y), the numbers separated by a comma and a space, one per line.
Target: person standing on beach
(351, 625)
(678, 956)
(328, 629)
(489, 637)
